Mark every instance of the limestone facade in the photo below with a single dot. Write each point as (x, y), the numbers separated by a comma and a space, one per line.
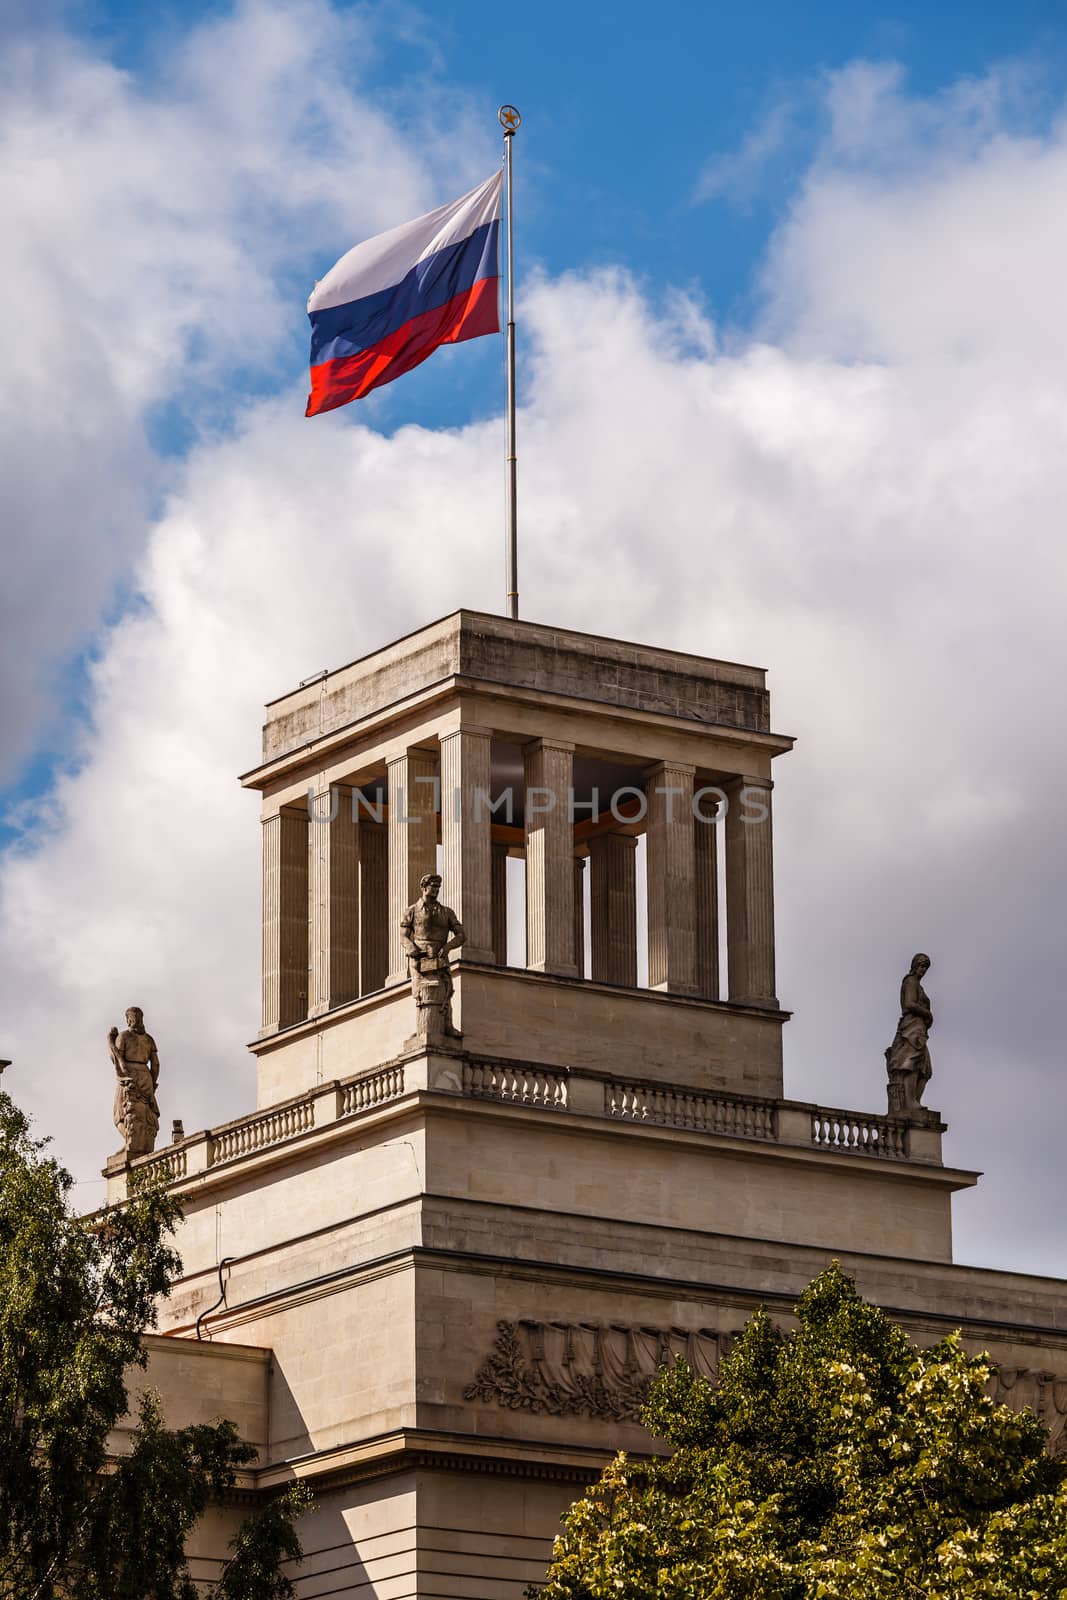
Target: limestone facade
(436, 1283)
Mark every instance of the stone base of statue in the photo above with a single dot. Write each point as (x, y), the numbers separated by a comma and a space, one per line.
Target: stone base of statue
(903, 1094)
(431, 988)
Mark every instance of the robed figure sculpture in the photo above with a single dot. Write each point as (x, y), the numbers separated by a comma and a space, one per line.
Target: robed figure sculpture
(908, 1057)
(136, 1063)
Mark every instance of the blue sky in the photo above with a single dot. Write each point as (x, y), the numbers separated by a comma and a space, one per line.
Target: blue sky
(793, 346)
(626, 108)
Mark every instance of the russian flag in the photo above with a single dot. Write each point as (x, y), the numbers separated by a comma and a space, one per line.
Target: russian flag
(392, 300)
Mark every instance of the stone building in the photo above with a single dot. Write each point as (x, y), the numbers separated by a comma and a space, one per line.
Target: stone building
(434, 1276)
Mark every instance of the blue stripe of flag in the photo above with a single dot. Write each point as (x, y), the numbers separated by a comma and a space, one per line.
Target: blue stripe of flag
(345, 330)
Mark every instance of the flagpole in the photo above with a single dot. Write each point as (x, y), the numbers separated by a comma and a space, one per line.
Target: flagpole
(510, 120)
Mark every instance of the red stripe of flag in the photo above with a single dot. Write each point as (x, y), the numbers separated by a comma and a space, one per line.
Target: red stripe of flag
(465, 316)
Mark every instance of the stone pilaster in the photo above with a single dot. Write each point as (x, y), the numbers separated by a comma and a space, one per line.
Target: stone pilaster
(285, 918)
(549, 769)
(579, 915)
(750, 892)
(671, 867)
(500, 903)
(613, 908)
(412, 840)
(706, 840)
(466, 846)
(334, 895)
(373, 905)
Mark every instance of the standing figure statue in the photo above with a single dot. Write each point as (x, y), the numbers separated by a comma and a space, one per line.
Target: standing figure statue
(136, 1063)
(908, 1057)
(428, 932)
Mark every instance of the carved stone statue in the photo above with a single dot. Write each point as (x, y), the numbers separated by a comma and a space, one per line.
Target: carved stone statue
(428, 932)
(136, 1062)
(908, 1057)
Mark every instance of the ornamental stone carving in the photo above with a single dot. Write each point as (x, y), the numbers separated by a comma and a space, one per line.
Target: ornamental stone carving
(604, 1371)
(1045, 1393)
(136, 1062)
(588, 1368)
(429, 931)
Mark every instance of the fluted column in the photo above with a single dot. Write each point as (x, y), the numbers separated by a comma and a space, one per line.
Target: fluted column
(549, 768)
(613, 908)
(412, 840)
(750, 892)
(285, 918)
(466, 846)
(706, 839)
(671, 867)
(500, 903)
(579, 915)
(373, 905)
(334, 895)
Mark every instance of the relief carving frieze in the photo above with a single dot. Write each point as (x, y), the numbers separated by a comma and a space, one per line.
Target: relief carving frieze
(605, 1370)
(590, 1369)
(1045, 1393)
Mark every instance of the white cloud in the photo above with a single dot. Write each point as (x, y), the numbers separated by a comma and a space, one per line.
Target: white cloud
(158, 241)
(867, 500)
(929, 235)
(736, 175)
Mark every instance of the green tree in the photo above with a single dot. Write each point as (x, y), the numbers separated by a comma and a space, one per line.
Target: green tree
(74, 1301)
(837, 1462)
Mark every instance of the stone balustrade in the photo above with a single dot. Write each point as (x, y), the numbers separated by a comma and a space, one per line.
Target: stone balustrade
(867, 1135)
(372, 1089)
(556, 1089)
(258, 1133)
(203, 1151)
(687, 1108)
(172, 1165)
(515, 1083)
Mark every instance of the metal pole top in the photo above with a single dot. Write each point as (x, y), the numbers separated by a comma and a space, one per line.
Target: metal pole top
(509, 119)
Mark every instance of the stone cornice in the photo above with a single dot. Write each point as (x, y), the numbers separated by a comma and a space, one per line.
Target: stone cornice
(324, 745)
(409, 1448)
(582, 1276)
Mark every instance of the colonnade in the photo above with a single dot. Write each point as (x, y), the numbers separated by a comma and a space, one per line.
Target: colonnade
(336, 879)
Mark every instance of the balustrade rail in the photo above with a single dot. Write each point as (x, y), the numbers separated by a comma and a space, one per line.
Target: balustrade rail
(263, 1131)
(521, 1085)
(362, 1093)
(273, 1127)
(848, 1130)
(171, 1166)
(667, 1105)
(688, 1108)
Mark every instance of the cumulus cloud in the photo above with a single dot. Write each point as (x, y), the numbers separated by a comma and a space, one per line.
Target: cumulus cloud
(156, 235)
(864, 496)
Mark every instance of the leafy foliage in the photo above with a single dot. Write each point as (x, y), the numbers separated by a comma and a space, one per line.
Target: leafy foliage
(262, 1544)
(835, 1463)
(74, 1301)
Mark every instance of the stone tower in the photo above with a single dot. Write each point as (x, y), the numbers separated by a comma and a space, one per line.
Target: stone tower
(435, 1280)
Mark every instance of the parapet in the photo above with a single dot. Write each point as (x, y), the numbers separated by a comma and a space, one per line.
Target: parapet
(489, 650)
